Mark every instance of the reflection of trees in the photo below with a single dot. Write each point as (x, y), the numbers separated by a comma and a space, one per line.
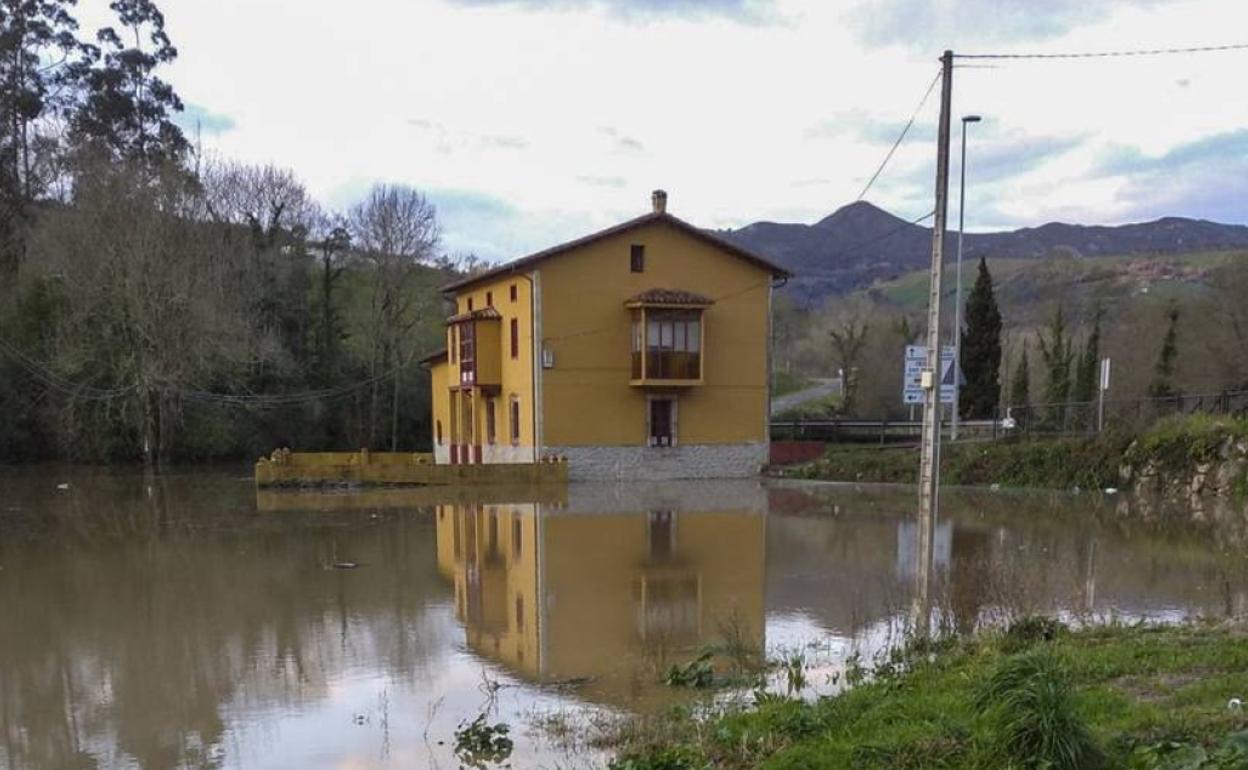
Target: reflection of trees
(136, 612)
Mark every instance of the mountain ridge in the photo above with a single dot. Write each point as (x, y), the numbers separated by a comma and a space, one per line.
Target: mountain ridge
(861, 243)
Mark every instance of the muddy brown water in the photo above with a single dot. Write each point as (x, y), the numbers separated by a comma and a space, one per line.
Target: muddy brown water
(186, 620)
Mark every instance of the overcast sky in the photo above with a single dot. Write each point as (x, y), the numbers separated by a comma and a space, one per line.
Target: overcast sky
(529, 122)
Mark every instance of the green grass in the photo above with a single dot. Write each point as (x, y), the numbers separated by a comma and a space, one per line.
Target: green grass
(1058, 464)
(1113, 697)
(1178, 443)
(1034, 282)
(1175, 446)
(820, 409)
(784, 383)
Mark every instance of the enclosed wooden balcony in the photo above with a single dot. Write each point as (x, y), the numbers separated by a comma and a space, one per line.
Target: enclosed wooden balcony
(476, 345)
(668, 338)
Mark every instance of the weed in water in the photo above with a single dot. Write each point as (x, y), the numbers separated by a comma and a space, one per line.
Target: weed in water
(699, 672)
(738, 646)
(1031, 709)
(478, 743)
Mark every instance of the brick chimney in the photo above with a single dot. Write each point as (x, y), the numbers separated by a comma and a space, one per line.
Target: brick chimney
(658, 200)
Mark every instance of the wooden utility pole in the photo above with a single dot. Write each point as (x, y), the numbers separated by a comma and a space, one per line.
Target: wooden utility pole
(929, 462)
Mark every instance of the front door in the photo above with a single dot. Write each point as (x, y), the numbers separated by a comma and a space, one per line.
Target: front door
(661, 423)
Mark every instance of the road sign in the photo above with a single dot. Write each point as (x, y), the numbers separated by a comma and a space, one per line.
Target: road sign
(912, 379)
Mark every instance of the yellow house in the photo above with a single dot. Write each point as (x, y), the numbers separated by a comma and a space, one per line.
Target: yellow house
(640, 351)
(609, 589)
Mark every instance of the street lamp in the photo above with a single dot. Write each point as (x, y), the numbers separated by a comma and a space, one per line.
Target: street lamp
(957, 307)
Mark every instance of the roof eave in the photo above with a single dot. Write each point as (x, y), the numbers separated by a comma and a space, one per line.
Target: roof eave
(520, 265)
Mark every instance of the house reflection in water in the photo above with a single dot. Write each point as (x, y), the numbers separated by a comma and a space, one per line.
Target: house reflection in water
(611, 588)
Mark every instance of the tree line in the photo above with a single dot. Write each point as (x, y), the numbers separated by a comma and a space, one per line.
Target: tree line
(1192, 338)
(157, 304)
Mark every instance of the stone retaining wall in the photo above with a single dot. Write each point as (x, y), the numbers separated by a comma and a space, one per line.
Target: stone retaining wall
(642, 463)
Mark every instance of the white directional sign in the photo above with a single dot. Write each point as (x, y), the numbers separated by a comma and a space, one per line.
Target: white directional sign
(912, 380)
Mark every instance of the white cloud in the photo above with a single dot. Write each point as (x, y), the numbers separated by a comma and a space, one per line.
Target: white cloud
(570, 113)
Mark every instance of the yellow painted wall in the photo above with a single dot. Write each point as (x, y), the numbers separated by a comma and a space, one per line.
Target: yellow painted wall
(587, 397)
(440, 397)
(515, 375)
(498, 543)
(594, 569)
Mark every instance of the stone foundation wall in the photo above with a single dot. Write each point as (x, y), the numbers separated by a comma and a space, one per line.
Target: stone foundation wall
(506, 453)
(642, 463)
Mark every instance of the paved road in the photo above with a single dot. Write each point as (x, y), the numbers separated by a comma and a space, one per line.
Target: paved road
(821, 389)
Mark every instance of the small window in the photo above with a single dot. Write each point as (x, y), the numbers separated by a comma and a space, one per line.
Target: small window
(513, 292)
(489, 420)
(517, 536)
(637, 258)
(470, 304)
(515, 338)
(439, 432)
(515, 420)
(489, 299)
(519, 612)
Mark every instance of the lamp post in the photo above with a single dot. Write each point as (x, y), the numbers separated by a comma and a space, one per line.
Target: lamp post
(957, 304)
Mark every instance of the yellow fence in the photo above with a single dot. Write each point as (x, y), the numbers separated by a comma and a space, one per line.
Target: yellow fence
(286, 468)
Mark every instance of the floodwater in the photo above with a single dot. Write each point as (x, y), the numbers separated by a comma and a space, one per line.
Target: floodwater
(188, 621)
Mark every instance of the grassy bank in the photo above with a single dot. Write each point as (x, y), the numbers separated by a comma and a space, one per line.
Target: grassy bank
(1036, 696)
(1174, 448)
(1063, 463)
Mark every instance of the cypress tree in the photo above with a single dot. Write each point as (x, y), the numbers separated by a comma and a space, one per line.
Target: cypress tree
(1087, 372)
(1162, 385)
(981, 349)
(1058, 357)
(1020, 385)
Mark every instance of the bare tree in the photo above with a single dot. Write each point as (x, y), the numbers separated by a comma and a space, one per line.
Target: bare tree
(395, 229)
(848, 322)
(150, 299)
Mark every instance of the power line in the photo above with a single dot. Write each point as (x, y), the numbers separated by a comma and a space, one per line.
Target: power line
(1106, 54)
(900, 138)
(55, 382)
(81, 391)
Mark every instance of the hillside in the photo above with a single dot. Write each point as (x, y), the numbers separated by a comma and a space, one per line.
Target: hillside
(861, 244)
(1028, 288)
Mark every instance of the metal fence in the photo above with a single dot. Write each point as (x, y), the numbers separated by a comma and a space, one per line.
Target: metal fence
(1087, 418)
(854, 431)
(1038, 421)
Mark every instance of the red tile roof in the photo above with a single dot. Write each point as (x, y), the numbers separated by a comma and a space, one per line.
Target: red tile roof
(669, 297)
(480, 314)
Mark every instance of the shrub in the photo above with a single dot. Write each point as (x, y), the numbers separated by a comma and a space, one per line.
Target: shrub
(1031, 712)
(1033, 629)
(669, 758)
